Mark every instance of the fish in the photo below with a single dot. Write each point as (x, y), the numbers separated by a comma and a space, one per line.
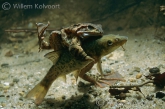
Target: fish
(64, 63)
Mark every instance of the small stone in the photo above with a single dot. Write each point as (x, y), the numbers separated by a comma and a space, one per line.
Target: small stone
(107, 71)
(139, 75)
(9, 54)
(159, 42)
(130, 73)
(86, 95)
(81, 84)
(137, 69)
(5, 65)
(123, 101)
(104, 58)
(136, 40)
(21, 93)
(149, 97)
(160, 94)
(16, 80)
(64, 97)
(21, 98)
(6, 87)
(154, 70)
(132, 79)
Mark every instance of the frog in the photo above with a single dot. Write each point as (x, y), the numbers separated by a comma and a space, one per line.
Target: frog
(70, 37)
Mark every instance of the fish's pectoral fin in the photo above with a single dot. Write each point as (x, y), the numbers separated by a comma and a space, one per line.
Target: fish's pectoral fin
(62, 78)
(53, 56)
(76, 74)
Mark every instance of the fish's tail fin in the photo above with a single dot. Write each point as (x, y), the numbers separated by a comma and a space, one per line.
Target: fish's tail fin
(38, 93)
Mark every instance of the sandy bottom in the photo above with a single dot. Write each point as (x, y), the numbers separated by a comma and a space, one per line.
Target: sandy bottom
(25, 67)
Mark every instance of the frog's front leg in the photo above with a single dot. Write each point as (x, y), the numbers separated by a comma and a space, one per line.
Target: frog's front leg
(41, 29)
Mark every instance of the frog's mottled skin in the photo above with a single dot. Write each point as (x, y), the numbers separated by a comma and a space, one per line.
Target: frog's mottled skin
(66, 63)
(70, 37)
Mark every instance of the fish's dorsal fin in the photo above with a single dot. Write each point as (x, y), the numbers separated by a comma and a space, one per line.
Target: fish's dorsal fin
(53, 56)
(76, 74)
(62, 78)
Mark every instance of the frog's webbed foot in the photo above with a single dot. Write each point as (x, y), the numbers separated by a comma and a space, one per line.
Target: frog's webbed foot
(41, 29)
(109, 79)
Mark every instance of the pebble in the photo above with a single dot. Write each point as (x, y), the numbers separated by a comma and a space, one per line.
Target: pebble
(132, 79)
(16, 80)
(139, 75)
(104, 58)
(136, 40)
(64, 97)
(5, 65)
(6, 85)
(160, 94)
(130, 73)
(21, 98)
(21, 93)
(137, 69)
(9, 53)
(107, 71)
(154, 70)
(149, 97)
(81, 84)
(122, 101)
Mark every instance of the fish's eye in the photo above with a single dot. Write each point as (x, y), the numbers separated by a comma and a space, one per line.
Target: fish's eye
(109, 42)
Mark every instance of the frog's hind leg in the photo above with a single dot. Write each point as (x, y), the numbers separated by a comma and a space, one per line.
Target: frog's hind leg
(108, 79)
(85, 76)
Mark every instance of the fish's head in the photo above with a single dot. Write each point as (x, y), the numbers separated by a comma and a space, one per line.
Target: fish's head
(111, 42)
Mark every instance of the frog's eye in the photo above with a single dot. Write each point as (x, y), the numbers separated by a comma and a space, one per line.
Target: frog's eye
(109, 42)
(90, 27)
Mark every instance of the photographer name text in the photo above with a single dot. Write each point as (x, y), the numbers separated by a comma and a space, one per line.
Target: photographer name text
(36, 6)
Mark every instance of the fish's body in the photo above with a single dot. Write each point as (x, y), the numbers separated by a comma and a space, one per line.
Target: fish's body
(64, 63)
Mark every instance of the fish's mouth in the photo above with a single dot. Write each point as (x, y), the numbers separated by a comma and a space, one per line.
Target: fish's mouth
(122, 45)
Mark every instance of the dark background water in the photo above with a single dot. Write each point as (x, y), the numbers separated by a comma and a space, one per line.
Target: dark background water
(112, 14)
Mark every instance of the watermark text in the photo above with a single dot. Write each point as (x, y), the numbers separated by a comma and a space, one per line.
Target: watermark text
(8, 6)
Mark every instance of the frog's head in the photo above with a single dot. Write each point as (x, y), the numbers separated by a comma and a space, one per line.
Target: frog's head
(109, 43)
(90, 30)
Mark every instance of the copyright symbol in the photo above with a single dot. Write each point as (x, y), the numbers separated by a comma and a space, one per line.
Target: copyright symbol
(100, 102)
(6, 6)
